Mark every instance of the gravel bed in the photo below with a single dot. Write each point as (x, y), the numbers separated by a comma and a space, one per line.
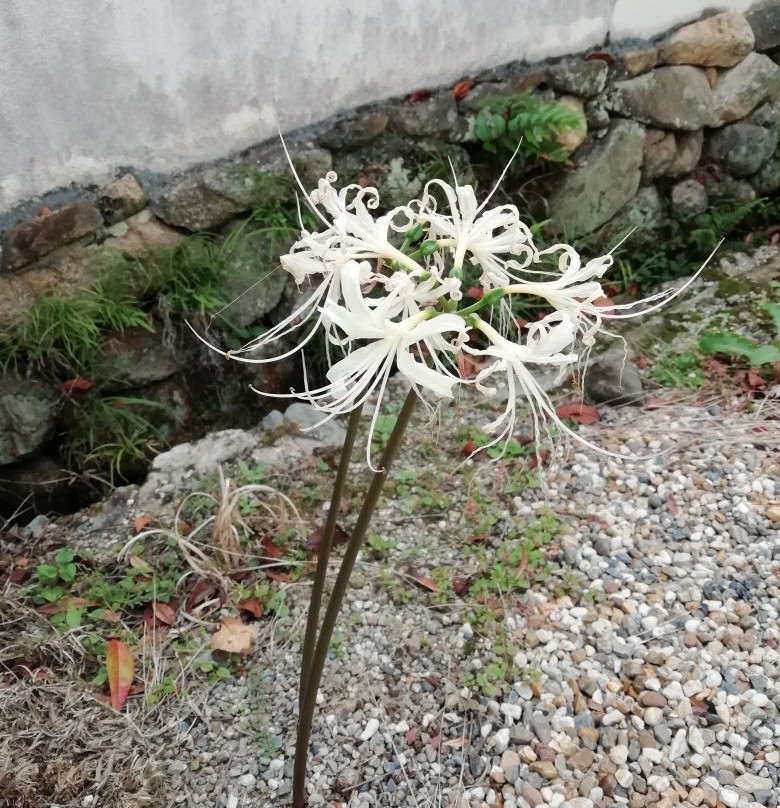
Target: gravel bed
(647, 665)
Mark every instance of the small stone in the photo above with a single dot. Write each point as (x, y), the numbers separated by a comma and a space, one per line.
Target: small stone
(120, 199)
(696, 740)
(651, 698)
(370, 730)
(729, 798)
(679, 745)
(501, 740)
(589, 736)
(544, 768)
(247, 780)
(624, 777)
(510, 764)
(619, 754)
(635, 62)
(689, 199)
(582, 759)
(695, 796)
(653, 716)
(752, 782)
(531, 795)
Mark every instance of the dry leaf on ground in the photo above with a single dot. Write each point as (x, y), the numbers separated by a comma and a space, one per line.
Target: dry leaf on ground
(233, 636)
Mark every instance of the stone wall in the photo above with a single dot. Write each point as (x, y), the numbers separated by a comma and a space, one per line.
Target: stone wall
(667, 127)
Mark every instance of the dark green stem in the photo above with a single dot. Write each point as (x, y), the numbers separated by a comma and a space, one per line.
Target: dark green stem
(318, 584)
(307, 703)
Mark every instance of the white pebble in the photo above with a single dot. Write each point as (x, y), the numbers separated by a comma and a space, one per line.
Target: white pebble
(247, 780)
(371, 728)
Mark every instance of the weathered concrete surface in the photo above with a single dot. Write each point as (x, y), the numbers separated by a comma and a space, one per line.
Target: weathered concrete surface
(163, 86)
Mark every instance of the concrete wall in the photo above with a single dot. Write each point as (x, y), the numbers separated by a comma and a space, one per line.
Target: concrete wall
(160, 85)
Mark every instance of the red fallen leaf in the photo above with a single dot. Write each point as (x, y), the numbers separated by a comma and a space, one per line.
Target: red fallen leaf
(418, 96)
(540, 456)
(461, 89)
(253, 606)
(77, 385)
(120, 666)
(476, 292)
(468, 447)
(141, 522)
(423, 580)
(671, 504)
(754, 379)
(110, 616)
(412, 735)
(205, 589)
(18, 575)
(600, 56)
(270, 550)
(579, 412)
(435, 742)
(314, 542)
(185, 528)
(460, 585)
(477, 539)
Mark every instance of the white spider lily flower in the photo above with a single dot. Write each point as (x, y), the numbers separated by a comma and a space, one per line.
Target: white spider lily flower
(549, 342)
(353, 232)
(497, 241)
(364, 372)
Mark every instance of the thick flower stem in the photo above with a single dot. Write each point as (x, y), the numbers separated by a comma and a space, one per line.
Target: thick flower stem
(318, 584)
(308, 700)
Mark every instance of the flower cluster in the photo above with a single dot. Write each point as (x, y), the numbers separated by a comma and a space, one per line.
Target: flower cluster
(393, 291)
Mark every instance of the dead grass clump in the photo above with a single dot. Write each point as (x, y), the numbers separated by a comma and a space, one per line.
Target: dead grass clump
(58, 744)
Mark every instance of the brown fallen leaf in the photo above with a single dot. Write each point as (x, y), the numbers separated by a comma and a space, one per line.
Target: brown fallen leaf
(233, 636)
(141, 522)
(314, 542)
(423, 580)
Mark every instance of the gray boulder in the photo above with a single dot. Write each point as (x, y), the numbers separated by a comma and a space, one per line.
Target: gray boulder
(743, 148)
(606, 178)
(677, 97)
(28, 417)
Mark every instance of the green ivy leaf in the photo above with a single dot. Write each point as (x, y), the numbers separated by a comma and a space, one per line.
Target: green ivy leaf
(64, 556)
(68, 572)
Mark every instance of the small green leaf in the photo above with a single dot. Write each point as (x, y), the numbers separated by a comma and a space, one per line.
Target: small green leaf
(100, 677)
(765, 355)
(724, 342)
(773, 309)
(68, 572)
(73, 617)
(46, 573)
(64, 556)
